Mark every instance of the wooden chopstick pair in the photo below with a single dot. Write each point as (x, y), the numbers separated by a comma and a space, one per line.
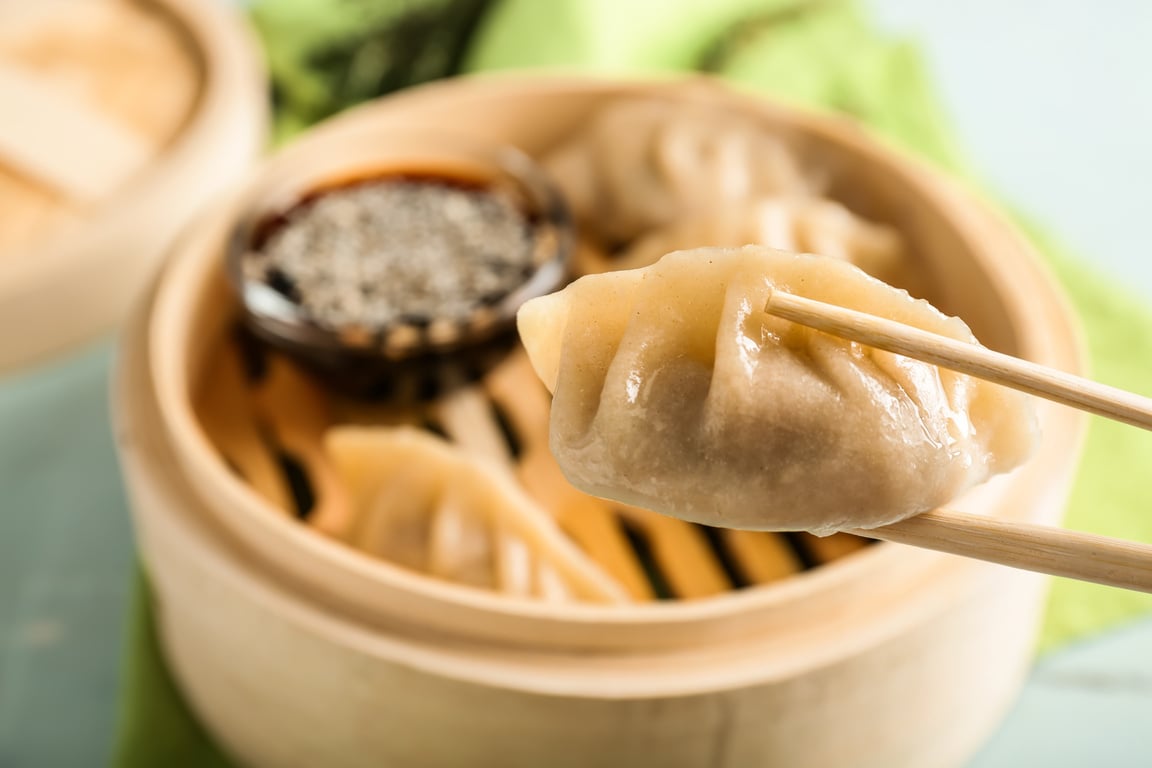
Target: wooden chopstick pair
(1044, 549)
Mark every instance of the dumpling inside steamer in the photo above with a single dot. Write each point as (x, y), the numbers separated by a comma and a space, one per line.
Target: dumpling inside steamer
(806, 224)
(640, 164)
(425, 504)
(674, 390)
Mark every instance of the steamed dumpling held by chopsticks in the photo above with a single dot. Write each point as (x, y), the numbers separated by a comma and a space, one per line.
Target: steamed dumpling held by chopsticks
(674, 390)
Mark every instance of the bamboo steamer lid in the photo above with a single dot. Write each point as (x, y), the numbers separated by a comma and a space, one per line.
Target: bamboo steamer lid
(127, 115)
(892, 657)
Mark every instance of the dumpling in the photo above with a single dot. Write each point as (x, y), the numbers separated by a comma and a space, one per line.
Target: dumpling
(807, 224)
(430, 507)
(642, 163)
(674, 390)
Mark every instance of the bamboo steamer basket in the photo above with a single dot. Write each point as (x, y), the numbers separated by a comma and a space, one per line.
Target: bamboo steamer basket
(80, 281)
(296, 651)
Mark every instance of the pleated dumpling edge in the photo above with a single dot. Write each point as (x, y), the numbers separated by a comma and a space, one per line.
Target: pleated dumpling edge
(674, 390)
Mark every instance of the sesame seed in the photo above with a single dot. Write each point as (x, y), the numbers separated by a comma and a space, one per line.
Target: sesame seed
(397, 251)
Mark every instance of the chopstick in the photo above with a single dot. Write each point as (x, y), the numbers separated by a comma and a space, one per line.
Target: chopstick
(1049, 383)
(1044, 549)
(1039, 548)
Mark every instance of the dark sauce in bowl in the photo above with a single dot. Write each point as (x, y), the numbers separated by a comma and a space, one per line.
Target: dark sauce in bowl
(377, 278)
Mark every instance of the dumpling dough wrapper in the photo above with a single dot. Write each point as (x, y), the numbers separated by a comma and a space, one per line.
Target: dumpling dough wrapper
(675, 391)
(641, 164)
(808, 224)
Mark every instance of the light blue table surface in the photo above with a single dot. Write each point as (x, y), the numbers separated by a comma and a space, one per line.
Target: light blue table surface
(1052, 101)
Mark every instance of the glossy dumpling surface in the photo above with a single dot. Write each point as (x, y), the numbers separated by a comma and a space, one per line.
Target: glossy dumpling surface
(675, 391)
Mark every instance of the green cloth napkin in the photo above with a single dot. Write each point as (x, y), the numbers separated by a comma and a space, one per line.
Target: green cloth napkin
(326, 55)
(820, 53)
(156, 726)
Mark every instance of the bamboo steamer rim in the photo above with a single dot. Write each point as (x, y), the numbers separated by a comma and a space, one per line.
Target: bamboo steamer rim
(210, 39)
(229, 97)
(1046, 333)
